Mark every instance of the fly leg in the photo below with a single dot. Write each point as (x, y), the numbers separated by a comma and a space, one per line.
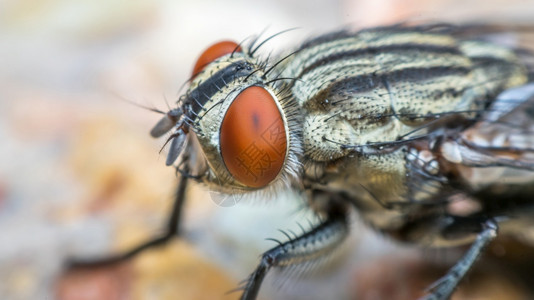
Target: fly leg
(311, 245)
(445, 286)
(171, 230)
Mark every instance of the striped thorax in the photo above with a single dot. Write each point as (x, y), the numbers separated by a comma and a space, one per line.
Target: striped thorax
(367, 98)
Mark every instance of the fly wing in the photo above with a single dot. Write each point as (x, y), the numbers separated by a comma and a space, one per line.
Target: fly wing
(495, 157)
(499, 148)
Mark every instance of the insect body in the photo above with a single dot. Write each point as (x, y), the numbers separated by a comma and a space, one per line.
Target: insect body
(398, 123)
(376, 120)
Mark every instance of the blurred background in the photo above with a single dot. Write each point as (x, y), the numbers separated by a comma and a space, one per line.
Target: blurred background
(80, 176)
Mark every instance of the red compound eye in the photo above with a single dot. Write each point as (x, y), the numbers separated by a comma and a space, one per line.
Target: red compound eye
(213, 52)
(253, 138)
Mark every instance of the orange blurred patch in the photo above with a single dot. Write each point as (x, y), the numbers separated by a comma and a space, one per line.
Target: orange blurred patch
(104, 283)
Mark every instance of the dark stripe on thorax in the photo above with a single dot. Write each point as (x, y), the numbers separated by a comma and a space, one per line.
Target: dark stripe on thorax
(351, 54)
(203, 93)
(366, 82)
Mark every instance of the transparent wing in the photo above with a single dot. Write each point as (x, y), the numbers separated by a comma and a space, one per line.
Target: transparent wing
(499, 148)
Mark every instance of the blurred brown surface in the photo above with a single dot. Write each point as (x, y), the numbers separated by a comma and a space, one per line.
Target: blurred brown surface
(80, 176)
(174, 271)
(102, 283)
(124, 181)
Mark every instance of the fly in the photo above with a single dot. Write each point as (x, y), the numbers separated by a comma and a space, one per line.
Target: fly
(400, 123)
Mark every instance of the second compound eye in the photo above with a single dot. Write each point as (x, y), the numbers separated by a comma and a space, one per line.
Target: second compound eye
(213, 52)
(253, 138)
